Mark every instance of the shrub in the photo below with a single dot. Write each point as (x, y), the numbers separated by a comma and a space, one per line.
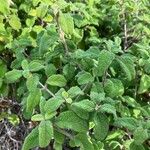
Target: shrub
(80, 71)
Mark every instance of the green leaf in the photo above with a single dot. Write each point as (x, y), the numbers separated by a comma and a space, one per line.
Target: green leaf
(127, 66)
(85, 142)
(66, 23)
(50, 69)
(70, 120)
(134, 146)
(140, 135)
(4, 7)
(108, 108)
(86, 105)
(15, 22)
(127, 122)
(32, 140)
(13, 76)
(144, 84)
(57, 80)
(114, 87)
(74, 91)
(84, 78)
(80, 112)
(3, 69)
(24, 64)
(32, 82)
(59, 137)
(37, 117)
(101, 126)
(1, 82)
(104, 61)
(41, 10)
(35, 66)
(53, 104)
(33, 99)
(50, 115)
(45, 133)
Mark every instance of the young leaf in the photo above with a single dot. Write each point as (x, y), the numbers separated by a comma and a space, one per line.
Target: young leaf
(86, 105)
(13, 76)
(70, 120)
(104, 61)
(57, 80)
(101, 126)
(66, 23)
(37, 117)
(144, 84)
(32, 140)
(15, 22)
(24, 64)
(4, 7)
(45, 133)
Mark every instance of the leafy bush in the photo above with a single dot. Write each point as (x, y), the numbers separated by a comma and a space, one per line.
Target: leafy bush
(80, 70)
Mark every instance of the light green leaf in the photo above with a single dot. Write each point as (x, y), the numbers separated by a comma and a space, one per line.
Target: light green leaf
(37, 117)
(84, 78)
(74, 91)
(24, 64)
(41, 10)
(70, 120)
(4, 7)
(35, 66)
(13, 76)
(32, 82)
(57, 80)
(86, 105)
(66, 23)
(50, 115)
(53, 104)
(15, 22)
(32, 140)
(144, 84)
(45, 133)
(104, 61)
(101, 126)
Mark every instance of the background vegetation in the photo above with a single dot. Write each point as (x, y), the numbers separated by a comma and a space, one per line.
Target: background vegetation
(75, 74)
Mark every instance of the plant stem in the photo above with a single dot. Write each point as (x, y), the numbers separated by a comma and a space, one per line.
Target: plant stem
(61, 33)
(46, 89)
